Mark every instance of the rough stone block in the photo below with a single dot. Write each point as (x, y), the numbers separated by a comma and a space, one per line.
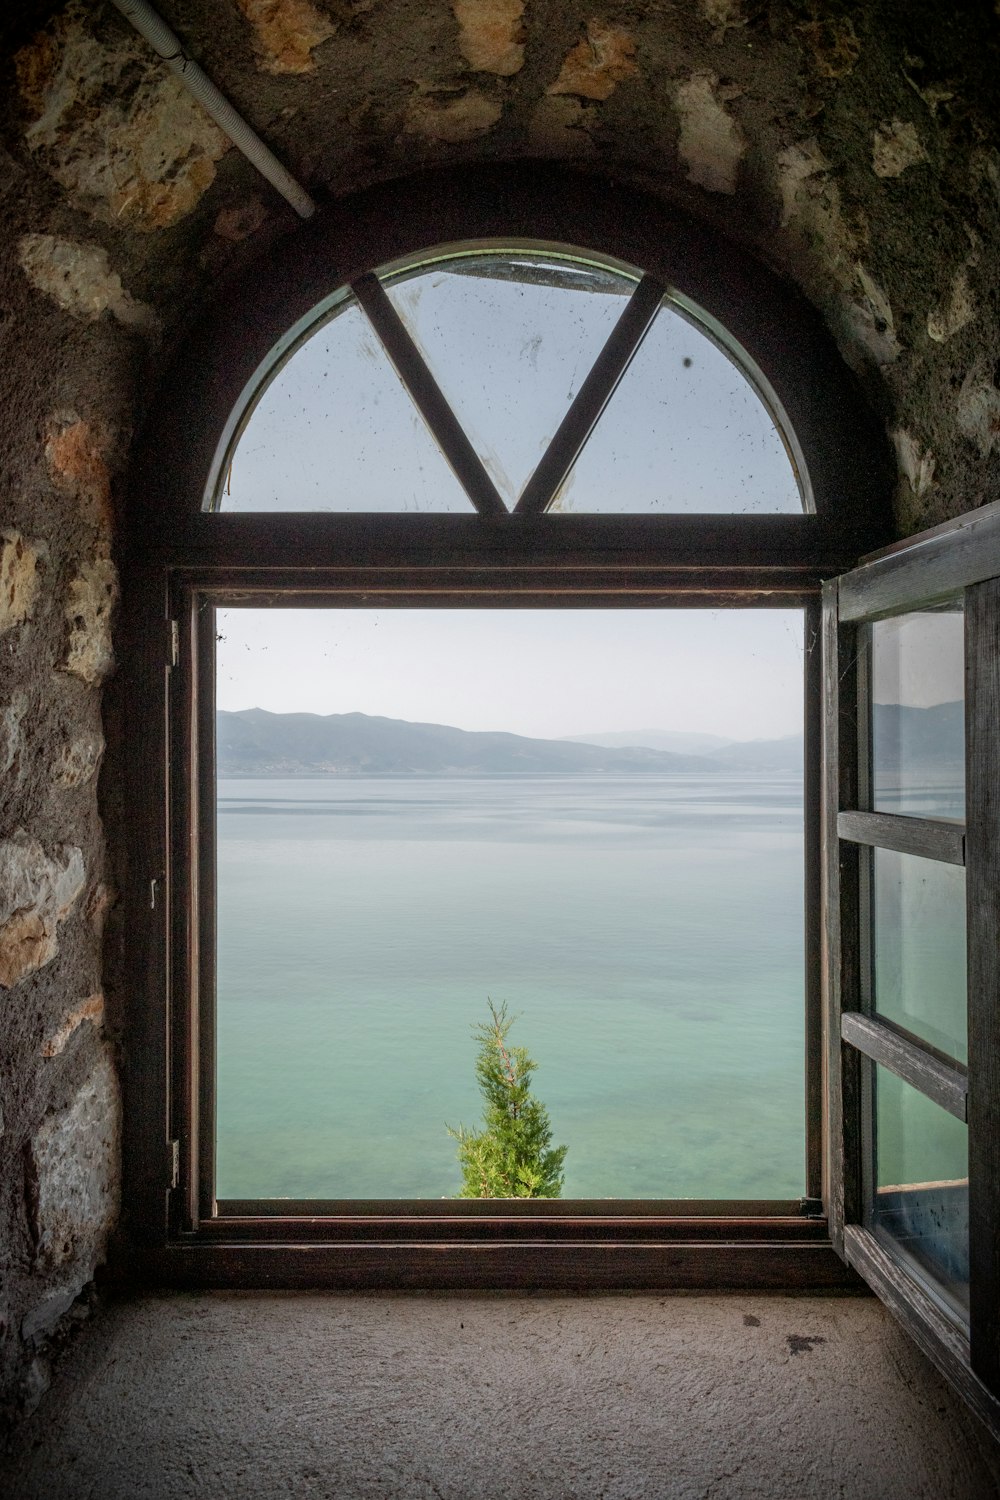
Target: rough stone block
(286, 32)
(870, 320)
(90, 1009)
(37, 892)
(452, 120)
(598, 63)
(79, 279)
(491, 34)
(811, 208)
(121, 134)
(78, 760)
(18, 579)
(240, 220)
(722, 16)
(12, 717)
(75, 1154)
(75, 454)
(896, 146)
(832, 46)
(712, 144)
(90, 600)
(953, 315)
(978, 410)
(915, 465)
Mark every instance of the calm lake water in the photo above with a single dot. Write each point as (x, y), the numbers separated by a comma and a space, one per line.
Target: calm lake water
(646, 929)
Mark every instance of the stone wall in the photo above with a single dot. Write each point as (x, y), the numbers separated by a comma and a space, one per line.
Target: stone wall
(853, 146)
(66, 366)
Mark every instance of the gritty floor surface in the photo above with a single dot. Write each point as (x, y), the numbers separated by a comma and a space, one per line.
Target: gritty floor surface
(289, 1394)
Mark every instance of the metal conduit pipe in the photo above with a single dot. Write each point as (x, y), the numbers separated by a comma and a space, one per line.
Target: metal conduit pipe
(163, 41)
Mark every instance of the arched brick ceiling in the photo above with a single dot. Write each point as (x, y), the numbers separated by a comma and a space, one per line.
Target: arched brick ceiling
(853, 146)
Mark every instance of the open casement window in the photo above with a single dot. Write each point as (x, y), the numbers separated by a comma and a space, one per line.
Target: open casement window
(912, 646)
(610, 410)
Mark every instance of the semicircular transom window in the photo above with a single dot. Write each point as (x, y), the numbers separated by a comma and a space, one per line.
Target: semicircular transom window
(500, 379)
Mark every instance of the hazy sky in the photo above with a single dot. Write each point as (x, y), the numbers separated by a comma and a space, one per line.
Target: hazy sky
(548, 673)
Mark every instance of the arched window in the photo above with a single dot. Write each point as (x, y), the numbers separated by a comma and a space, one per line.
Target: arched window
(539, 431)
(517, 378)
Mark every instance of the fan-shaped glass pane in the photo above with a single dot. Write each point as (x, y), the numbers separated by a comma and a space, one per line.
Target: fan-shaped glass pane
(335, 430)
(684, 431)
(510, 338)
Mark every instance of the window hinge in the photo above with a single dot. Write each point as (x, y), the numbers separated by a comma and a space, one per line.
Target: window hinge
(174, 1163)
(175, 643)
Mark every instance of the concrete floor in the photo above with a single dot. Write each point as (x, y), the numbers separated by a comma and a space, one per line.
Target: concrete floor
(288, 1394)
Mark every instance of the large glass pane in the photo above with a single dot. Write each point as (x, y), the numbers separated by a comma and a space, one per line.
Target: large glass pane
(920, 1205)
(336, 430)
(510, 339)
(918, 713)
(684, 431)
(919, 928)
(417, 815)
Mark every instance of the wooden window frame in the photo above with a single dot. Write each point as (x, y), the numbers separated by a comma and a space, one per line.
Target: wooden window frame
(176, 556)
(961, 557)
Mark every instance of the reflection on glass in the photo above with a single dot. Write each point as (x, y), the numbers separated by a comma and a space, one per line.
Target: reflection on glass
(336, 430)
(920, 1208)
(684, 431)
(919, 931)
(637, 904)
(510, 340)
(918, 714)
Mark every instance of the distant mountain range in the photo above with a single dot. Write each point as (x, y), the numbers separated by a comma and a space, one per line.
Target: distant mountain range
(679, 741)
(933, 738)
(925, 739)
(253, 742)
(760, 755)
(732, 755)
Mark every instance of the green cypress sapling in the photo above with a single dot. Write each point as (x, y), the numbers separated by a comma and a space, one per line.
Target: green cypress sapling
(512, 1156)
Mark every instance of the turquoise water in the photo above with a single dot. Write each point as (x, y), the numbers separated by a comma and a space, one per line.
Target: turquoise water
(646, 929)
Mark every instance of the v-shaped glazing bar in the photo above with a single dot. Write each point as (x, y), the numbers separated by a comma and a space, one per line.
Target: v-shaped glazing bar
(426, 395)
(592, 397)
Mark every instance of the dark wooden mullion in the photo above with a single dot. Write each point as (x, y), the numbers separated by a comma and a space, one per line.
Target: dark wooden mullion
(982, 715)
(142, 820)
(606, 1263)
(947, 1085)
(929, 1327)
(592, 397)
(841, 911)
(187, 924)
(929, 570)
(427, 396)
(398, 1222)
(203, 862)
(735, 545)
(812, 771)
(833, 1174)
(904, 835)
(749, 1216)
